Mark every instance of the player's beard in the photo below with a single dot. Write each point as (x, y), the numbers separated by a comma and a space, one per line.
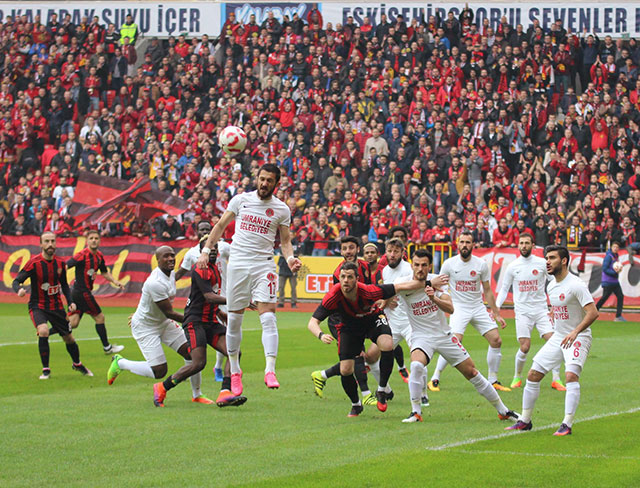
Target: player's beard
(266, 196)
(49, 251)
(525, 253)
(465, 253)
(392, 264)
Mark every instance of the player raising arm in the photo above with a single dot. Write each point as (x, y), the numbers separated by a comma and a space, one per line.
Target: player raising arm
(252, 271)
(361, 319)
(430, 333)
(573, 312)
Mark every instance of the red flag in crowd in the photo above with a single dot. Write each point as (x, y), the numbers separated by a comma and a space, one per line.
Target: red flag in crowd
(105, 199)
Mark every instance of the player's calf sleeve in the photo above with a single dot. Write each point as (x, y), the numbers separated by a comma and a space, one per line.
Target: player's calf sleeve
(141, 368)
(555, 373)
(375, 370)
(74, 352)
(386, 366)
(416, 384)
(332, 371)
(494, 355)
(521, 358)
(269, 334)
(234, 338)
(360, 372)
(102, 334)
(219, 360)
(398, 354)
(350, 387)
(529, 397)
(43, 348)
(571, 400)
(440, 365)
(487, 390)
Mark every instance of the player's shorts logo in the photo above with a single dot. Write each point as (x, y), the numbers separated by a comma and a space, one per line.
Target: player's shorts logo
(271, 277)
(269, 212)
(535, 272)
(561, 297)
(473, 273)
(577, 344)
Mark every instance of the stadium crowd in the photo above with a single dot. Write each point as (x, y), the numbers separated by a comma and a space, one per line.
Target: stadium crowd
(436, 124)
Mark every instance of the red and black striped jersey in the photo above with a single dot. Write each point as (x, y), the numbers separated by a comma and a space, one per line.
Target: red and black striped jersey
(335, 302)
(48, 282)
(87, 264)
(203, 281)
(376, 276)
(363, 272)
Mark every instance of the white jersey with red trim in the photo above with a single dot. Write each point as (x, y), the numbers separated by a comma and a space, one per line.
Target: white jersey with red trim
(465, 281)
(528, 277)
(425, 317)
(257, 222)
(568, 299)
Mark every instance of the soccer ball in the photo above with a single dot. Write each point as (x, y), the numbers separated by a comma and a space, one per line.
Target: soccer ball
(617, 266)
(232, 140)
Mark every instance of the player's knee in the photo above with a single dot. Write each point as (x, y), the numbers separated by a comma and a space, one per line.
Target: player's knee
(43, 331)
(534, 375)
(571, 377)
(470, 372)
(68, 339)
(495, 342)
(99, 318)
(385, 343)
(525, 348)
(159, 371)
(346, 369)
(198, 365)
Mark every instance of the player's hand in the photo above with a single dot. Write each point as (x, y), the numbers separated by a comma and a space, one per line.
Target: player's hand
(119, 285)
(381, 304)
(294, 265)
(22, 292)
(327, 338)
(569, 339)
(393, 303)
(203, 261)
(129, 322)
(72, 307)
(430, 291)
(501, 321)
(439, 281)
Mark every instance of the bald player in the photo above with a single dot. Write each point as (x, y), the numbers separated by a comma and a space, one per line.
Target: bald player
(155, 323)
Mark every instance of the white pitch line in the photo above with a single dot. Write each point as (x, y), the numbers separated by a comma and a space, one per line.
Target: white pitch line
(549, 454)
(511, 433)
(26, 343)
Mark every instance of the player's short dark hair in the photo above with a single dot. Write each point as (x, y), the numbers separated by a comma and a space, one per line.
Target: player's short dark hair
(271, 168)
(562, 251)
(466, 232)
(93, 231)
(527, 235)
(616, 242)
(423, 253)
(348, 266)
(204, 222)
(394, 242)
(47, 232)
(400, 228)
(352, 239)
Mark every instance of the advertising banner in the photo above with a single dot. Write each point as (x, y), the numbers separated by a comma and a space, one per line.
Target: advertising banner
(154, 19)
(131, 260)
(244, 10)
(615, 19)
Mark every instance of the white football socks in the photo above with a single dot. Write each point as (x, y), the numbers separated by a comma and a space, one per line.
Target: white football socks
(521, 358)
(375, 370)
(571, 400)
(269, 340)
(234, 338)
(141, 368)
(529, 397)
(195, 380)
(494, 355)
(487, 390)
(416, 385)
(442, 363)
(219, 360)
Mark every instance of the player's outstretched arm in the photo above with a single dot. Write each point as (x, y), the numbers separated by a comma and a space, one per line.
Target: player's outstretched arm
(287, 249)
(314, 328)
(214, 236)
(504, 289)
(491, 301)
(409, 285)
(591, 314)
(23, 275)
(109, 277)
(167, 309)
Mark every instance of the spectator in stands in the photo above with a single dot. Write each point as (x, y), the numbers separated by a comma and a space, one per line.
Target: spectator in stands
(168, 229)
(610, 281)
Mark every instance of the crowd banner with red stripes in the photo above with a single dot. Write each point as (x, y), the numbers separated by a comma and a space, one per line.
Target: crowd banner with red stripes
(131, 260)
(101, 198)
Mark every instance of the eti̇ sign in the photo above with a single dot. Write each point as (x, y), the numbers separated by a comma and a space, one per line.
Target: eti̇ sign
(318, 283)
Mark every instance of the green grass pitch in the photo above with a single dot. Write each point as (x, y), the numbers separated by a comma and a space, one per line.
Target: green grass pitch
(77, 431)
